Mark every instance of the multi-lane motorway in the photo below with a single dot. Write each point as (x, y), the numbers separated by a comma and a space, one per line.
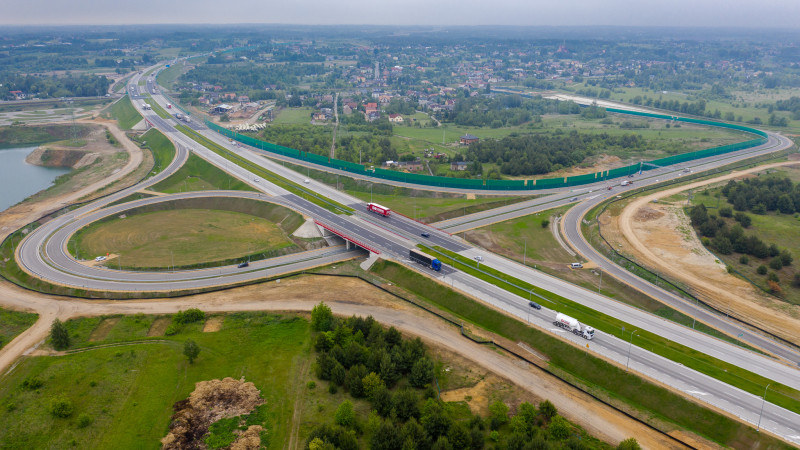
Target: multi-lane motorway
(43, 254)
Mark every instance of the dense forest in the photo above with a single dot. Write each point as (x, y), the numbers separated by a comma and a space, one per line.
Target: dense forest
(396, 376)
(539, 154)
(504, 110)
(763, 194)
(245, 77)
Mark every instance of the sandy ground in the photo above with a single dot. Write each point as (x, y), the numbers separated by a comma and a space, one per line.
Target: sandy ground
(661, 236)
(302, 294)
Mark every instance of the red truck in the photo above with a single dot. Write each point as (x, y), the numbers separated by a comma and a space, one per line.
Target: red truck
(376, 208)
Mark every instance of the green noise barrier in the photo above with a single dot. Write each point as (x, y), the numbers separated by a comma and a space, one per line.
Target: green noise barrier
(509, 185)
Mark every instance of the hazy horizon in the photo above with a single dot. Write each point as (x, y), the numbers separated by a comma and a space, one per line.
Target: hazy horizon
(768, 14)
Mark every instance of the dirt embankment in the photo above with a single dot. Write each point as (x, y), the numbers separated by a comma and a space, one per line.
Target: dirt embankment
(660, 236)
(209, 402)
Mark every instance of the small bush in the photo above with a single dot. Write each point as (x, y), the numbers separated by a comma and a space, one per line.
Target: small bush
(332, 389)
(84, 420)
(773, 277)
(32, 383)
(61, 407)
(172, 330)
(311, 384)
(726, 211)
(744, 259)
(545, 223)
(191, 315)
(762, 270)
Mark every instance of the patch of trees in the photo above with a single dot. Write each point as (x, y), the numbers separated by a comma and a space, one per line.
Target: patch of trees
(373, 148)
(792, 105)
(54, 87)
(504, 110)
(539, 154)
(726, 235)
(241, 77)
(764, 194)
(394, 375)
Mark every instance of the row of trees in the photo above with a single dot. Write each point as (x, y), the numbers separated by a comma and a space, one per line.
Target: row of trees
(504, 110)
(764, 194)
(242, 77)
(394, 375)
(539, 154)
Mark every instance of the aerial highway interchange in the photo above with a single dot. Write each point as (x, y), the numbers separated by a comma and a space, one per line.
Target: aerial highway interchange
(43, 254)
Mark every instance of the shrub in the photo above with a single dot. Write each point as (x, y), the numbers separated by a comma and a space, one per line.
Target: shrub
(84, 420)
(726, 211)
(191, 315)
(773, 277)
(774, 288)
(796, 281)
(321, 318)
(548, 409)
(172, 330)
(629, 444)
(545, 223)
(744, 259)
(191, 350)
(32, 383)
(776, 263)
(59, 335)
(762, 270)
(421, 373)
(498, 414)
(311, 384)
(559, 428)
(345, 416)
(61, 407)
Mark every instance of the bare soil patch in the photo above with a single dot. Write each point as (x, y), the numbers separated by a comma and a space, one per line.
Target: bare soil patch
(209, 402)
(102, 330)
(213, 324)
(662, 238)
(159, 326)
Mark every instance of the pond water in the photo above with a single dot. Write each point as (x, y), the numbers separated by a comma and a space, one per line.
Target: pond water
(19, 180)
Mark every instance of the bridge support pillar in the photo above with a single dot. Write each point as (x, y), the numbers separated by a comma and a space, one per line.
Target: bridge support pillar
(347, 243)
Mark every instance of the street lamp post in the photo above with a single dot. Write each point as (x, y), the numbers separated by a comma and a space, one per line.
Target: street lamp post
(525, 252)
(630, 344)
(763, 400)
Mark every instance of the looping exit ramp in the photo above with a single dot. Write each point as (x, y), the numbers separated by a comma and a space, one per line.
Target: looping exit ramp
(347, 238)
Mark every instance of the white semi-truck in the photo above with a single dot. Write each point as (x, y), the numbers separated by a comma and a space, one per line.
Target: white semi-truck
(571, 324)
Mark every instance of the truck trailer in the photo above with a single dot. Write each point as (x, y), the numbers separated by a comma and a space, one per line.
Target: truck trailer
(378, 209)
(571, 324)
(424, 259)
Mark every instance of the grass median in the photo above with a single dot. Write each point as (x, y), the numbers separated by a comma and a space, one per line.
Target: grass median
(278, 180)
(597, 375)
(783, 396)
(125, 113)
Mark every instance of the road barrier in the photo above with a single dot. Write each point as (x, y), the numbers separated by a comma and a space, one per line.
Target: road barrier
(508, 185)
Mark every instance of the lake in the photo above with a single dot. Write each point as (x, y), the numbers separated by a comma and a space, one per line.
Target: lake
(19, 180)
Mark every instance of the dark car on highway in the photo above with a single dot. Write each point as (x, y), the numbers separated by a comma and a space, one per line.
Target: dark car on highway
(535, 305)
(426, 235)
(244, 264)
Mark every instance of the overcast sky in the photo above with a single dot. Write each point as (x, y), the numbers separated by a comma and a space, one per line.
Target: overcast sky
(714, 13)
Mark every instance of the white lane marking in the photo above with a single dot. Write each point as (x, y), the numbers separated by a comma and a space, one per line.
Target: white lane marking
(697, 392)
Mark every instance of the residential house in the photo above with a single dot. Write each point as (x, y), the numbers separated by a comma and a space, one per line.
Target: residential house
(458, 166)
(396, 118)
(468, 139)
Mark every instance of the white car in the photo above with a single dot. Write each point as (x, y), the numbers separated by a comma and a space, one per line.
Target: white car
(100, 258)
(479, 258)
(306, 181)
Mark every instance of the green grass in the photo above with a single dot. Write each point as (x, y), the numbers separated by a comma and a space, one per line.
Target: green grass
(198, 175)
(785, 397)
(599, 376)
(125, 113)
(293, 116)
(129, 390)
(168, 76)
(290, 186)
(13, 323)
(161, 147)
(182, 237)
(22, 136)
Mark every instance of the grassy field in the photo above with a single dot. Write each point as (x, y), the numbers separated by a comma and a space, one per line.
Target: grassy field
(125, 113)
(20, 136)
(128, 391)
(649, 401)
(183, 237)
(713, 367)
(13, 323)
(198, 175)
(293, 116)
(168, 76)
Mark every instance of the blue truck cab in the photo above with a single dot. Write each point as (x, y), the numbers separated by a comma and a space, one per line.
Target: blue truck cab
(436, 265)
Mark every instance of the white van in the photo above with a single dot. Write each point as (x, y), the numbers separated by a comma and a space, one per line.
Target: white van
(576, 266)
